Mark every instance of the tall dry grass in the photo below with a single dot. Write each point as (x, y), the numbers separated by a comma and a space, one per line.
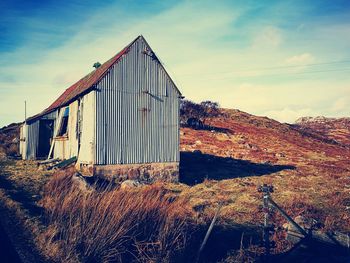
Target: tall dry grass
(142, 225)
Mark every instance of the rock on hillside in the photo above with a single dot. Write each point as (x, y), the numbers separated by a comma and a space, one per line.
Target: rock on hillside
(337, 129)
(9, 140)
(263, 140)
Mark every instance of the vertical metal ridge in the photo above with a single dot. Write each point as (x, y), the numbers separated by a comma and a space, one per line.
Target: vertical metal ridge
(31, 135)
(137, 112)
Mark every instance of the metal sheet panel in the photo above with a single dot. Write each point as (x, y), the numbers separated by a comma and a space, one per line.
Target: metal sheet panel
(31, 140)
(49, 116)
(137, 111)
(73, 129)
(87, 143)
(22, 141)
(30, 137)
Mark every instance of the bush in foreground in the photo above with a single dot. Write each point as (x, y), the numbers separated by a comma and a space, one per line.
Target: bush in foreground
(144, 225)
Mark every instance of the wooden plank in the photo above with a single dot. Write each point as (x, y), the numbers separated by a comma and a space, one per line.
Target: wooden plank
(49, 161)
(64, 163)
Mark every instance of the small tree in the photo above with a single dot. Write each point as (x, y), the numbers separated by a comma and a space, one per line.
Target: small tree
(189, 109)
(209, 109)
(202, 111)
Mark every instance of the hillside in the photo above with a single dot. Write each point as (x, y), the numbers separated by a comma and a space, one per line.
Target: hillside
(9, 140)
(337, 129)
(310, 171)
(263, 140)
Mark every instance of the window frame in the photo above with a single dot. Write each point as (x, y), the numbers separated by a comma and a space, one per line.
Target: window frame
(64, 125)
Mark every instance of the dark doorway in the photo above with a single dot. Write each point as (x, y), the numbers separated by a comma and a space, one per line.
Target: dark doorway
(45, 135)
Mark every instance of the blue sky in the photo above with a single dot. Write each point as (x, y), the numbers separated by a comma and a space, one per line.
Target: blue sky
(281, 59)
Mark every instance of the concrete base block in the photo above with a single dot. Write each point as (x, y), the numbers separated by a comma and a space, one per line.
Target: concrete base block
(147, 172)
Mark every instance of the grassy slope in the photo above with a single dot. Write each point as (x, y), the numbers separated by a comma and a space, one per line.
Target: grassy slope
(336, 129)
(317, 186)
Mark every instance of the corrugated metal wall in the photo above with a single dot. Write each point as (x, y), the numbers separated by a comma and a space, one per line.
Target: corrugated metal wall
(31, 140)
(22, 142)
(137, 112)
(73, 128)
(87, 140)
(50, 116)
(30, 137)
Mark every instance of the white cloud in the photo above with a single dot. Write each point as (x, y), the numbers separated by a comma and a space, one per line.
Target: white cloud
(289, 115)
(302, 59)
(341, 106)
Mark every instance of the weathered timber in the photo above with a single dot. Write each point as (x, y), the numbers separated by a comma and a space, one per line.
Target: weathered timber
(64, 163)
(49, 161)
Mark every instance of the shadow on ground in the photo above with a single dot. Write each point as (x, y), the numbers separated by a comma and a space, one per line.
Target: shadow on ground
(207, 128)
(195, 167)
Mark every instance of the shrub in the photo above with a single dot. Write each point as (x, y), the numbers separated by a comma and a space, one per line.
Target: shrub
(202, 111)
(12, 149)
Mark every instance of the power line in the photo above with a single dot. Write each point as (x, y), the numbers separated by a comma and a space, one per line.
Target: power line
(286, 73)
(269, 68)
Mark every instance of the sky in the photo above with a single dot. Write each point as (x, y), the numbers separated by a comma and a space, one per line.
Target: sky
(280, 59)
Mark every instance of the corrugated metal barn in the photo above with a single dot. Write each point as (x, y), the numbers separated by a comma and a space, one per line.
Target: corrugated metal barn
(120, 119)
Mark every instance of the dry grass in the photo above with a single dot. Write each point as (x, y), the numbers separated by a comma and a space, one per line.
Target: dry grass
(144, 225)
(20, 184)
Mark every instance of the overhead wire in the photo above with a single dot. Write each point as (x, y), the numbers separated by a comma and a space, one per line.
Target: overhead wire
(282, 74)
(278, 67)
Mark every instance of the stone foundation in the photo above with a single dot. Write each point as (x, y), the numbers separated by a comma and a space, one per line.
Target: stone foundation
(148, 172)
(85, 169)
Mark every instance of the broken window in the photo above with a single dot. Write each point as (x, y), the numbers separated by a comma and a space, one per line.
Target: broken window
(63, 131)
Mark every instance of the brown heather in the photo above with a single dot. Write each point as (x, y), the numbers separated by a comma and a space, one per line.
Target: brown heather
(143, 225)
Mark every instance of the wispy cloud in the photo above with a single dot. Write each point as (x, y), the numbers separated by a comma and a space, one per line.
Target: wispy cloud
(302, 59)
